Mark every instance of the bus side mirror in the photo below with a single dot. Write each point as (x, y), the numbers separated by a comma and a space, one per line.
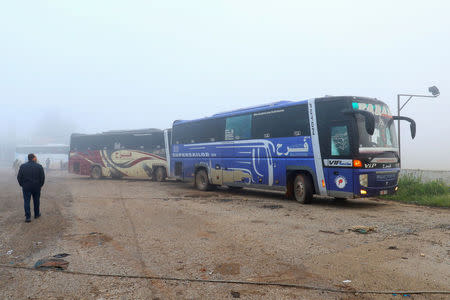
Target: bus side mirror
(412, 124)
(369, 119)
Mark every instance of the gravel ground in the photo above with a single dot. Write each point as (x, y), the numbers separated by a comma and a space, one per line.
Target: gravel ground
(143, 228)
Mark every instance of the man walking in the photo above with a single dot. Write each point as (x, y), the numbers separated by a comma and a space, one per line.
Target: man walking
(31, 178)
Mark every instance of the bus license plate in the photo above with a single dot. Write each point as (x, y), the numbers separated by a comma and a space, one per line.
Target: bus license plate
(383, 192)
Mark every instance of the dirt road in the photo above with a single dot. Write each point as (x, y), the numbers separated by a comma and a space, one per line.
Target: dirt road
(135, 227)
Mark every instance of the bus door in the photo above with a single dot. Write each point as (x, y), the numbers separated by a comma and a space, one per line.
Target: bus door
(252, 163)
(222, 165)
(216, 170)
(243, 171)
(338, 169)
(237, 159)
(261, 164)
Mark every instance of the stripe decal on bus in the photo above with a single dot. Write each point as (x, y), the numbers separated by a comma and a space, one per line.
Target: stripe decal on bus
(316, 146)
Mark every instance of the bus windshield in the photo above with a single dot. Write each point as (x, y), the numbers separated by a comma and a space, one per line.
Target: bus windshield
(384, 137)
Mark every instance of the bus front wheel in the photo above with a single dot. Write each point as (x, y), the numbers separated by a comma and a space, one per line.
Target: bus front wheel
(202, 180)
(302, 189)
(96, 172)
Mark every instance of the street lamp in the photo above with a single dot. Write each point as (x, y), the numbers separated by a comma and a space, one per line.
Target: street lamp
(434, 93)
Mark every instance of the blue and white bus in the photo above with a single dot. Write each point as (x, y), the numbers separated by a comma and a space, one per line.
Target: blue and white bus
(343, 147)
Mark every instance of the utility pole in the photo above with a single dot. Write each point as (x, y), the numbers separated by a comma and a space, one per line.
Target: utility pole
(434, 93)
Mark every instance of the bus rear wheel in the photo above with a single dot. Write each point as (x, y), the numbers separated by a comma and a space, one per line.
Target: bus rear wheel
(160, 174)
(302, 189)
(202, 180)
(96, 172)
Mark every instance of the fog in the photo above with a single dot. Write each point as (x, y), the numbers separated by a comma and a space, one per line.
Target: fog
(90, 66)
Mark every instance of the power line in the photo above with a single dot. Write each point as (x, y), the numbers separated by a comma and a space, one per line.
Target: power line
(218, 281)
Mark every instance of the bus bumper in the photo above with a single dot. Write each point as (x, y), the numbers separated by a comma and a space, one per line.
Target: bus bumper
(376, 182)
(375, 192)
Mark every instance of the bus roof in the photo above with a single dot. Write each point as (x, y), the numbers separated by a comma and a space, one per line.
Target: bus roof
(273, 105)
(242, 110)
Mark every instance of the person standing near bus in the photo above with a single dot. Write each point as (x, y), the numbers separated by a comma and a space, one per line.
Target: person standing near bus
(31, 178)
(47, 164)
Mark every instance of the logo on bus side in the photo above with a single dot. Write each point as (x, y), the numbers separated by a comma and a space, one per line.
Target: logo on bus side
(370, 165)
(337, 162)
(294, 149)
(341, 182)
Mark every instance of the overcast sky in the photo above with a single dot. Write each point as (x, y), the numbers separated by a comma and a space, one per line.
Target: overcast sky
(102, 65)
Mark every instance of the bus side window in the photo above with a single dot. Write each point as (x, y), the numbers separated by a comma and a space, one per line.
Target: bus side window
(284, 122)
(340, 144)
(238, 128)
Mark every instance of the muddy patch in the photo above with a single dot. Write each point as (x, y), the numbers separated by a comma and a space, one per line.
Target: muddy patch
(205, 234)
(257, 221)
(224, 200)
(228, 269)
(272, 206)
(199, 195)
(290, 275)
(91, 239)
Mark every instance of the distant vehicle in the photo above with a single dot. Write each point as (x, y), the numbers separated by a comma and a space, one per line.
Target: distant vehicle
(51, 156)
(341, 147)
(120, 153)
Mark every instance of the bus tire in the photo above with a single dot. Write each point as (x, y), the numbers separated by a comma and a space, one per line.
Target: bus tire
(202, 180)
(302, 189)
(160, 174)
(96, 172)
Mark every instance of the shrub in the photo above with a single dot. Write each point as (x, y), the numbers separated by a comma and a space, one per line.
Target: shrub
(411, 189)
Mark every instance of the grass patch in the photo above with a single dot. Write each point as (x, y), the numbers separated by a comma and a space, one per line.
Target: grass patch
(411, 189)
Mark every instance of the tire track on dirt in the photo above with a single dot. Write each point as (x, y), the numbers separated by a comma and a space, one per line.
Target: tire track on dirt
(143, 266)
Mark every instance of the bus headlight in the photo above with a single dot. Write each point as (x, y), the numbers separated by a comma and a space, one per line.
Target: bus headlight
(364, 180)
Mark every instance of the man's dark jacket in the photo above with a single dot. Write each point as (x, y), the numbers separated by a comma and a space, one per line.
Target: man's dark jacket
(31, 176)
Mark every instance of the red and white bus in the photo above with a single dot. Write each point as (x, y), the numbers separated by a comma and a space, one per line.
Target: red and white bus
(119, 153)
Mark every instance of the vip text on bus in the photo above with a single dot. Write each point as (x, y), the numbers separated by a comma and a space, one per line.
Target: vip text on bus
(343, 147)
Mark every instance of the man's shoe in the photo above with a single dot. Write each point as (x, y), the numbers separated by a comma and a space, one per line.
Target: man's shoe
(28, 220)
(37, 216)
